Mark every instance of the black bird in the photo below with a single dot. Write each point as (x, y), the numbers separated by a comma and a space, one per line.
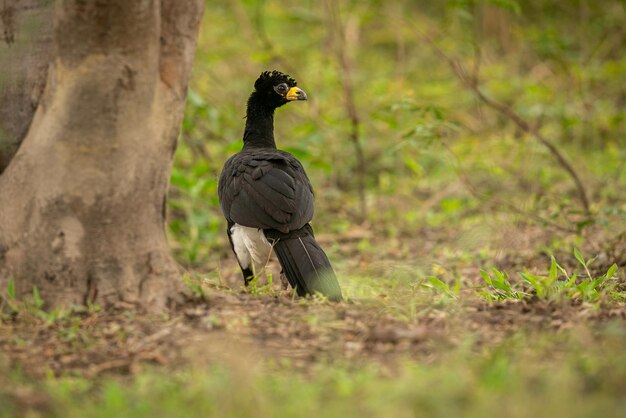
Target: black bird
(267, 198)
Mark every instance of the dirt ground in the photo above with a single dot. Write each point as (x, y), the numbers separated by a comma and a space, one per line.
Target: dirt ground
(123, 340)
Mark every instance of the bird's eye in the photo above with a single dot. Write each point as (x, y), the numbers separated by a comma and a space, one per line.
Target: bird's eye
(281, 88)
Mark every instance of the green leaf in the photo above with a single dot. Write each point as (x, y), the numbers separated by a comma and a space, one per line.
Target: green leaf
(553, 274)
(535, 282)
(571, 280)
(579, 257)
(611, 271)
(486, 276)
(414, 166)
(501, 280)
(558, 266)
(439, 285)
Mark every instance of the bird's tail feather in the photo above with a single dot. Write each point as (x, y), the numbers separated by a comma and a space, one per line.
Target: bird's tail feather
(305, 264)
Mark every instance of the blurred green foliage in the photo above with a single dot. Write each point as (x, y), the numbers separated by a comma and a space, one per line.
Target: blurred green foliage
(435, 156)
(525, 376)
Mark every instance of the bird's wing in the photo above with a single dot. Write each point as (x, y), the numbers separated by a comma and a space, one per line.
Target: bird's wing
(266, 189)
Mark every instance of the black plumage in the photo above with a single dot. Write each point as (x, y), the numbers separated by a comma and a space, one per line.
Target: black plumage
(267, 198)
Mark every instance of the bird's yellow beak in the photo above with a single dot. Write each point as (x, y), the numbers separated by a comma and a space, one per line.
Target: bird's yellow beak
(295, 93)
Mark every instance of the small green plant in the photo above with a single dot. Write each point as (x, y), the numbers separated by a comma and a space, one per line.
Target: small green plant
(547, 286)
(442, 292)
(9, 299)
(439, 286)
(500, 286)
(34, 306)
(195, 286)
(558, 284)
(257, 289)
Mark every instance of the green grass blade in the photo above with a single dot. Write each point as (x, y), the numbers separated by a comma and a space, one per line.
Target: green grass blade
(11, 288)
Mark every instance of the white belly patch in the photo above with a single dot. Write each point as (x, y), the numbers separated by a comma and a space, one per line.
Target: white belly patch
(251, 247)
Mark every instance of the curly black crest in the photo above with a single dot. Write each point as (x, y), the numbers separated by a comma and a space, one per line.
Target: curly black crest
(269, 79)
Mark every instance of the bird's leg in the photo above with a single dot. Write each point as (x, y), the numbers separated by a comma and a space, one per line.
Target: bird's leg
(248, 275)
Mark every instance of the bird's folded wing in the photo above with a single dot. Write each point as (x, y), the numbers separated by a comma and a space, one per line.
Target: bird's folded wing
(266, 190)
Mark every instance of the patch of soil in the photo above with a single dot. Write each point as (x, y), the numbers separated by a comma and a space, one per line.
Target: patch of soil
(122, 340)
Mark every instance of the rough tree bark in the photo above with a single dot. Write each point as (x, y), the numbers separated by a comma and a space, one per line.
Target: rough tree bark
(25, 40)
(82, 202)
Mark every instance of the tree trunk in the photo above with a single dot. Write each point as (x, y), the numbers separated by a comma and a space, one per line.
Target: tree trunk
(25, 40)
(82, 203)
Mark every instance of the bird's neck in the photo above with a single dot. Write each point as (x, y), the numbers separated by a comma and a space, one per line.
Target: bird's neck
(259, 132)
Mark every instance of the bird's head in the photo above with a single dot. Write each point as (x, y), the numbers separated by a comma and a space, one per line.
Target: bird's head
(275, 89)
